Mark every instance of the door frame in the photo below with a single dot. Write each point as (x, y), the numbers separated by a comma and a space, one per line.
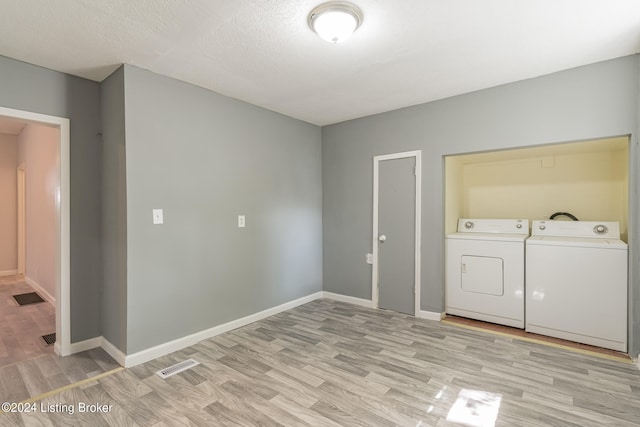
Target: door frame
(418, 199)
(21, 219)
(63, 254)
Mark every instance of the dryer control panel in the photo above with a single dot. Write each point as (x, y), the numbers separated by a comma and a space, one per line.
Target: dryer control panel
(502, 226)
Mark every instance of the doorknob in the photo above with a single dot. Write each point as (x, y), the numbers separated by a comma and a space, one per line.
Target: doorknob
(382, 238)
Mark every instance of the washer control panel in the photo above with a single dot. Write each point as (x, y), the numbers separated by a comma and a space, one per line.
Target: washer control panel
(593, 229)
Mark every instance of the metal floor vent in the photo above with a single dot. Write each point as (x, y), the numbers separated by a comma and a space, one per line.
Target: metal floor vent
(49, 339)
(177, 368)
(28, 298)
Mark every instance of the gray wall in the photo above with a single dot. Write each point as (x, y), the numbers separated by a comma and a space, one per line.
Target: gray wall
(205, 159)
(30, 88)
(114, 210)
(589, 102)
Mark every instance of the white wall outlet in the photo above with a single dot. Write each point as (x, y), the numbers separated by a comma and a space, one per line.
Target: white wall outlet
(369, 258)
(240, 221)
(158, 216)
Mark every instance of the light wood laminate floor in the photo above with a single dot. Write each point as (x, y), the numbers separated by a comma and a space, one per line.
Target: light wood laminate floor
(332, 364)
(33, 377)
(22, 327)
(521, 333)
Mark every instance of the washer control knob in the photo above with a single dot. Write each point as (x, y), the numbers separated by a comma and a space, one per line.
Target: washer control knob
(600, 229)
(542, 227)
(518, 225)
(468, 225)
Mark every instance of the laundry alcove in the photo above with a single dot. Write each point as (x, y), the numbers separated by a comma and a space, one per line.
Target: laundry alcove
(590, 179)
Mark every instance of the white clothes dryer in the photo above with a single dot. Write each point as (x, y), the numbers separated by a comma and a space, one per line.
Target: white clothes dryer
(576, 282)
(485, 270)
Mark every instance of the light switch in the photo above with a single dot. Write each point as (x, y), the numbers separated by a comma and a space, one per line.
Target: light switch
(369, 258)
(240, 221)
(158, 216)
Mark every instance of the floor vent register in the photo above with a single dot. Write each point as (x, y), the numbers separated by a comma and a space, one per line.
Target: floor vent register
(177, 368)
(49, 339)
(28, 298)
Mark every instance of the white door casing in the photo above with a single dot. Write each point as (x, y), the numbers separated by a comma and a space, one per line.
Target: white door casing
(62, 262)
(21, 219)
(375, 242)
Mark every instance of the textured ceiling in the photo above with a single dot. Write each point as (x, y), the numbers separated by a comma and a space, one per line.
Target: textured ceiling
(261, 51)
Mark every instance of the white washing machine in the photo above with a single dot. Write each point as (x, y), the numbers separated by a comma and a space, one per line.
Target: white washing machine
(485, 270)
(577, 282)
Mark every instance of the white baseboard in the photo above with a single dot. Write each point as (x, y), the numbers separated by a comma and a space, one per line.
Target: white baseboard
(8, 273)
(42, 291)
(77, 347)
(180, 343)
(130, 360)
(431, 315)
(96, 342)
(345, 298)
(113, 351)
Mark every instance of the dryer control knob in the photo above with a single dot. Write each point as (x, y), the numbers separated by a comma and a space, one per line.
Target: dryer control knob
(468, 225)
(542, 227)
(518, 225)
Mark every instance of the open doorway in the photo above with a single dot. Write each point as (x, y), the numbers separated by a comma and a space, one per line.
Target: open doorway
(59, 257)
(27, 317)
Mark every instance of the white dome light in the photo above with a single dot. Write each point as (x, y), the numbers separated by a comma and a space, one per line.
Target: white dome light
(335, 21)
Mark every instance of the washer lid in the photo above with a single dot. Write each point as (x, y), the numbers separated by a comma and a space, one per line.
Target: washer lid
(580, 242)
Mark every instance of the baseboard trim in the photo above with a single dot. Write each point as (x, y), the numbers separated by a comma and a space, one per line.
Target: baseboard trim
(78, 347)
(8, 273)
(105, 344)
(180, 343)
(431, 315)
(113, 351)
(160, 350)
(29, 281)
(348, 299)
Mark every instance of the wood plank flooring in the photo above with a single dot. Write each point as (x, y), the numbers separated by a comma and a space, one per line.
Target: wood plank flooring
(515, 332)
(22, 327)
(333, 364)
(29, 378)
(27, 366)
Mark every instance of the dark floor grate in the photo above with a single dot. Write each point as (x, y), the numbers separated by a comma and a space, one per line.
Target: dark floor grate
(50, 339)
(30, 298)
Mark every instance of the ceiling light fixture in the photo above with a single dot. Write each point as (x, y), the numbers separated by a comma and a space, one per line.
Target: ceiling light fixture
(335, 21)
